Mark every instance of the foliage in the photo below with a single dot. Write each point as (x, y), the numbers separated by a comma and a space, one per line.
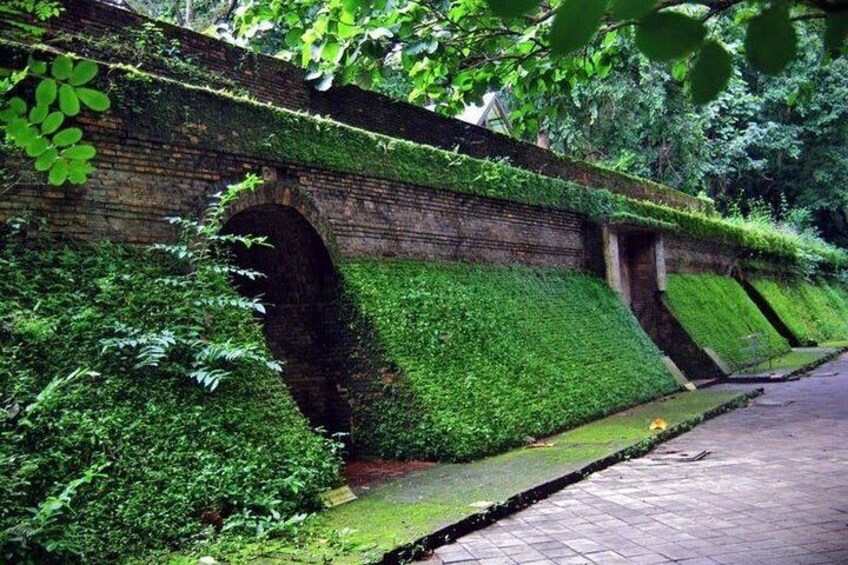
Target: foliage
(717, 313)
(203, 15)
(767, 138)
(478, 358)
(203, 253)
(121, 459)
(816, 311)
(453, 51)
(36, 126)
(18, 15)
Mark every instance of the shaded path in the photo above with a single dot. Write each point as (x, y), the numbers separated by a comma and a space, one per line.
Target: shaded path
(774, 489)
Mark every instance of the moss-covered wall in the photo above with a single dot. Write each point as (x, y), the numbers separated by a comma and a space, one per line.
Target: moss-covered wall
(103, 32)
(815, 311)
(718, 314)
(475, 358)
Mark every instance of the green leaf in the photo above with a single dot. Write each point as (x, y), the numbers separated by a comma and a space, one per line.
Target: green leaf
(78, 172)
(663, 36)
(771, 42)
(17, 126)
(37, 114)
(62, 67)
(25, 137)
(79, 152)
(575, 24)
(511, 8)
(710, 72)
(52, 123)
(38, 68)
(835, 31)
(58, 172)
(37, 147)
(83, 73)
(46, 160)
(45, 93)
(293, 37)
(68, 101)
(94, 99)
(631, 9)
(67, 137)
(18, 105)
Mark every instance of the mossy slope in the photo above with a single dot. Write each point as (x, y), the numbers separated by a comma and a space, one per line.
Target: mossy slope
(815, 311)
(483, 357)
(171, 449)
(717, 313)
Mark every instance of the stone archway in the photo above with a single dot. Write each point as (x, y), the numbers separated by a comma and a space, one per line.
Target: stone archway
(301, 293)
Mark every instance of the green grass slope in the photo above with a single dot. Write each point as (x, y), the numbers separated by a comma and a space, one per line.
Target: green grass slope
(154, 450)
(717, 313)
(815, 311)
(479, 358)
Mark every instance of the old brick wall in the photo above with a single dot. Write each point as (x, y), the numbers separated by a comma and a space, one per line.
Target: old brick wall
(687, 255)
(153, 164)
(107, 33)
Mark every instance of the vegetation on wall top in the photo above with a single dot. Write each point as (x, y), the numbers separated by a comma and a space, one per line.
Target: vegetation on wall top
(295, 137)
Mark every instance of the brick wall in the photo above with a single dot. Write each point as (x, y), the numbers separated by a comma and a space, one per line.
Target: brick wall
(107, 33)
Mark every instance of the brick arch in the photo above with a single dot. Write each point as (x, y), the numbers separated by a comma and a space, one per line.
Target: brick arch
(287, 193)
(301, 292)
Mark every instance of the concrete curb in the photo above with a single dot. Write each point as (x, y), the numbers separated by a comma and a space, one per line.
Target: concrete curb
(525, 498)
(791, 376)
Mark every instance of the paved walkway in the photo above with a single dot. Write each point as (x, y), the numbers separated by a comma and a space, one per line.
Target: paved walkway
(773, 489)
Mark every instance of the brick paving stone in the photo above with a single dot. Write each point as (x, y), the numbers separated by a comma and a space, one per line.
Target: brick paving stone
(773, 490)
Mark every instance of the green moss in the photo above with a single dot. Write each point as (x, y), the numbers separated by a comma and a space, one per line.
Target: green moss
(717, 313)
(172, 449)
(794, 360)
(815, 311)
(400, 513)
(244, 126)
(481, 357)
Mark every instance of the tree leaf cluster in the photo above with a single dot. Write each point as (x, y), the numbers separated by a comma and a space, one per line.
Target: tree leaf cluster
(39, 125)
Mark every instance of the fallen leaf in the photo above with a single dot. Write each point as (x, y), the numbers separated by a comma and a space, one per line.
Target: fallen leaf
(658, 424)
(538, 444)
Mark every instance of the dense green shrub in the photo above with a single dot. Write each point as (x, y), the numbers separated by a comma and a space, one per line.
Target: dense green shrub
(138, 454)
(717, 313)
(815, 311)
(479, 358)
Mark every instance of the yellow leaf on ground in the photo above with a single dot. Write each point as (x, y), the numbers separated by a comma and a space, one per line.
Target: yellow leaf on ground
(658, 424)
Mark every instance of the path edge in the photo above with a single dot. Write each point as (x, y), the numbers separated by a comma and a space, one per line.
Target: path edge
(519, 501)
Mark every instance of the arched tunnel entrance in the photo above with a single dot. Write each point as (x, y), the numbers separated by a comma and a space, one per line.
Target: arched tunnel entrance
(301, 294)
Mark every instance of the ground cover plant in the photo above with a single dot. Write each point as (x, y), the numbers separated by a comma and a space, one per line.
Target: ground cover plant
(479, 358)
(111, 442)
(718, 314)
(816, 311)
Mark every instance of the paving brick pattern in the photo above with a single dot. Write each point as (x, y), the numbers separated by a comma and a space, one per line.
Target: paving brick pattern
(774, 490)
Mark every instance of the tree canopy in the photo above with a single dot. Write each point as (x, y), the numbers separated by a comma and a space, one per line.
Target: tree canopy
(455, 50)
